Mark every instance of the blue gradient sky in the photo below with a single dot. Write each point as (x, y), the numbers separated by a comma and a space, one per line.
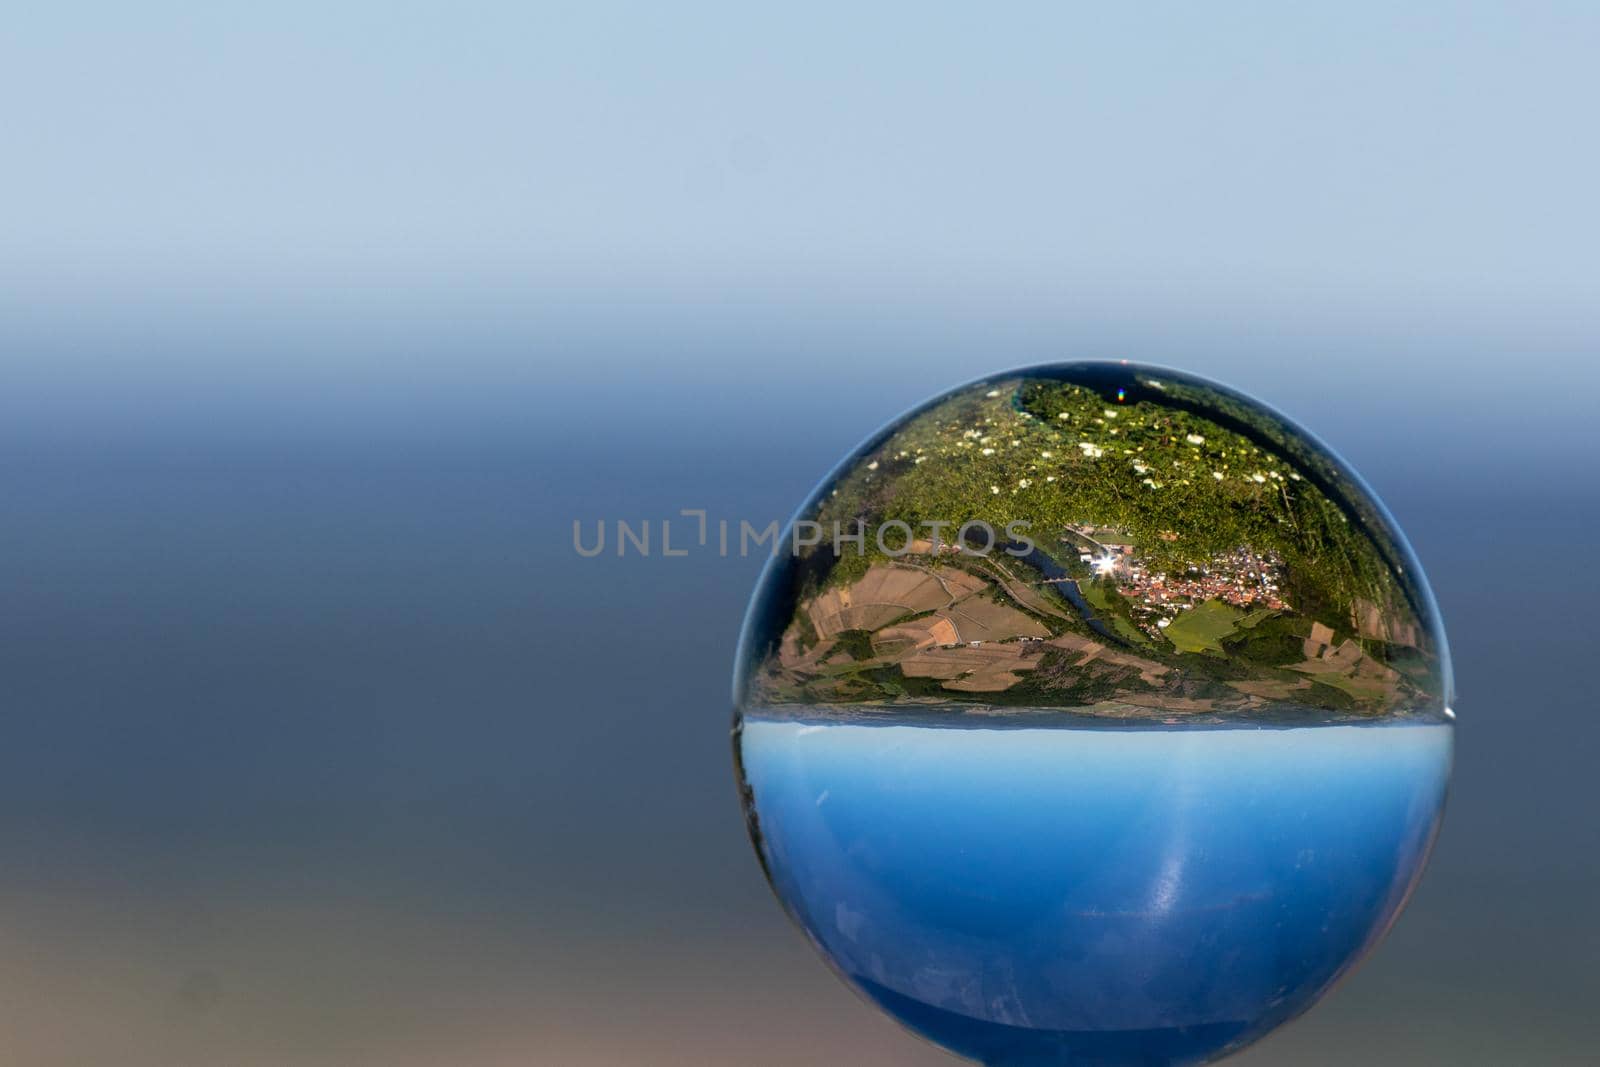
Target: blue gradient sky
(1355, 150)
(376, 220)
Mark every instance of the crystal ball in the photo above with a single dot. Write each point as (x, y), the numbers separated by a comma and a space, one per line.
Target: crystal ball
(1092, 714)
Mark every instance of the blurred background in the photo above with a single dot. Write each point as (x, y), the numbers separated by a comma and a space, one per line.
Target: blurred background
(321, 324)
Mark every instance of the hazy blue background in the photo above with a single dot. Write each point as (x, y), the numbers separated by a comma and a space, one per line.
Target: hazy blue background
(319, 324)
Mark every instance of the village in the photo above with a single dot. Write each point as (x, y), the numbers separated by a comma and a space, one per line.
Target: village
(1243, 578)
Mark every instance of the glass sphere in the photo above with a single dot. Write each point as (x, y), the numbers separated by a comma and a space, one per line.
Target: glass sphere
(1092, 714)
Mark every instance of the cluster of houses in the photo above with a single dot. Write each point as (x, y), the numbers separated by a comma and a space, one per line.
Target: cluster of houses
(1243, 577)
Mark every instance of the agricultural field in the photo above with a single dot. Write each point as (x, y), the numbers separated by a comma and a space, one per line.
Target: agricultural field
(1203, 627)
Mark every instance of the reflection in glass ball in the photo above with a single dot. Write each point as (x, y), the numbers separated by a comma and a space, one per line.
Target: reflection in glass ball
(1093, 713)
